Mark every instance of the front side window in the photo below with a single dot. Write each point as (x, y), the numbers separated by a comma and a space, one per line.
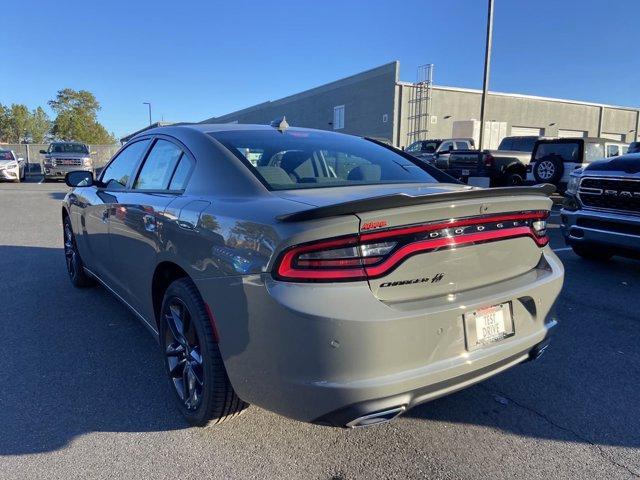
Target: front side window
(298, 159)
(462, 146)
(116, 175)
(6, 155)
(158, 167)
(429, 147)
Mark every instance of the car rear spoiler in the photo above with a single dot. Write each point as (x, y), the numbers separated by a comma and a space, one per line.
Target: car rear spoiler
(405, 200)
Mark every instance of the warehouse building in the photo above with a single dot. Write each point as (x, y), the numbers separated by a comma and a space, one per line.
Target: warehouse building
(375, 103)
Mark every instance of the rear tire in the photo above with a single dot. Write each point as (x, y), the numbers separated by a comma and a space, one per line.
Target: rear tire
(75, 266)
(193, 362)
(592, 253)
(514, 179)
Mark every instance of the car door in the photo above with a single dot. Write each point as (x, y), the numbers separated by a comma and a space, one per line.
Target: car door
(94, 204)
(136, 218)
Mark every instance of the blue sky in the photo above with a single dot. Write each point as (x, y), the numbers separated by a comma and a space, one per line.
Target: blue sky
(196, 59)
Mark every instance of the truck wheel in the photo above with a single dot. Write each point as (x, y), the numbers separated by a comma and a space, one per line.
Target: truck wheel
(193, 361)
(514, 179)
(593, 253)
(548, 169)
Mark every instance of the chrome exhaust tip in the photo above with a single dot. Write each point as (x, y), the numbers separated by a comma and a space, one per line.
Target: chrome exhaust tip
(376, 417)
(538, 350)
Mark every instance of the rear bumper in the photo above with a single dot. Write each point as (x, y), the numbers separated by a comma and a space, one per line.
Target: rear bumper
(616, 230)
(329, 353)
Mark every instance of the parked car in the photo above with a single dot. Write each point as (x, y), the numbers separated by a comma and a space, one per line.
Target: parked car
(554, 160)
(63, 157)
(634, 147)
(600, 217)
(429, 150)
(504, 166)
(12, 167)
(331, 279)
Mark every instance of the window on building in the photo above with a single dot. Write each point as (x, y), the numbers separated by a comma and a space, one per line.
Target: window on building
(338, 117)
(158, 167)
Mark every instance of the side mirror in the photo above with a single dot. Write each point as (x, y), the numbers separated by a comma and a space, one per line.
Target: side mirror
(93, 153)
(20, 159)
(44, 152)
(79, 178)
(450, 149)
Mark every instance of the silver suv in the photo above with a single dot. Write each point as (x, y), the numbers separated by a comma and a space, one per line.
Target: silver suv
(64, 157)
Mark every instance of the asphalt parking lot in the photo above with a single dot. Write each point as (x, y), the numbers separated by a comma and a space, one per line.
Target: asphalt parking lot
(84, 394)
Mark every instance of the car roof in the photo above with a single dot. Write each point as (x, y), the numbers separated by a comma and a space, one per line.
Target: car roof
(573, 139)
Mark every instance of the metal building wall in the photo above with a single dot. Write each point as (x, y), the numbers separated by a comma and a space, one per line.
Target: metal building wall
(368, 100)
(550, 115)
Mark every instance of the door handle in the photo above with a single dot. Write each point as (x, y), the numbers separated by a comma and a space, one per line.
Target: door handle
(105, 215)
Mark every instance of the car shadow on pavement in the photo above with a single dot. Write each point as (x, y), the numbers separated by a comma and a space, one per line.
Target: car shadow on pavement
(57, 195)
(75, 361)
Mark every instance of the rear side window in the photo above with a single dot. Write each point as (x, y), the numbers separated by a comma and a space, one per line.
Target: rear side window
(523, 144)
(311, 159)
(181, 174)
(117, 174)
(159, 166)
(462, 146)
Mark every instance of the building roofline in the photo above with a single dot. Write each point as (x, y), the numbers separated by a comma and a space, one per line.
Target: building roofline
(373, 72)
(531, 97)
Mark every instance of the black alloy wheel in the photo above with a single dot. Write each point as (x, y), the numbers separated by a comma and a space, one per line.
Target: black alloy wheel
(75, 267)
(183, 354)
(193, 360)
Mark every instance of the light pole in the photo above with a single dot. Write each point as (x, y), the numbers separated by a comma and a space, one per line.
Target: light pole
(149, 105)
(487, 68)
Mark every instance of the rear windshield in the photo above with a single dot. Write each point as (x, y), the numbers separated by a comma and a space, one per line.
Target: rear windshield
(518, 144)
(68, 148)
(567, 151)
(6, 155)
(309, 159)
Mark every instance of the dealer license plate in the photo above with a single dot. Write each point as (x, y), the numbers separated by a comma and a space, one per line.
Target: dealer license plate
(488, 325)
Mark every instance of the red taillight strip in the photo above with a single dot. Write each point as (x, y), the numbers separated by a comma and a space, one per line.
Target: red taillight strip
(426, 245)
(366, 237)
(287, 268)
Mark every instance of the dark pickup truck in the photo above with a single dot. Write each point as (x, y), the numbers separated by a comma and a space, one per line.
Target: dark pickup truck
(505, 166)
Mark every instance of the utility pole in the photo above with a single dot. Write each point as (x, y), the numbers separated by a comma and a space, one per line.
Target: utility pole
(487, 68)
(149, 105)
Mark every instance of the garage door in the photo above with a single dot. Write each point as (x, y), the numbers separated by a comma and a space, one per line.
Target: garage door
(571, 133)
(613, 136)
(526, 132)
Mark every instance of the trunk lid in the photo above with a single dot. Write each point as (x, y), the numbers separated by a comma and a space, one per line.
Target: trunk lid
(470, 243)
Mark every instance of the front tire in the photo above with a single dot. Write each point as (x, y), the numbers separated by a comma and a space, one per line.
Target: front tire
(192, 358)
(593, 253)
(75, 266)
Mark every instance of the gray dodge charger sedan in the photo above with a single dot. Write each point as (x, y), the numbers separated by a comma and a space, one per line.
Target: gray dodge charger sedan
(325, 277)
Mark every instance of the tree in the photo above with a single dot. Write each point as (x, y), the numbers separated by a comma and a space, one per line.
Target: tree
(5, 119)
(19, 117)
(39, 125)
(77, 117)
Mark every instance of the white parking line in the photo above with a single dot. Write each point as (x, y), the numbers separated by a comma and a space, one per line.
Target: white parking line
(562, 249)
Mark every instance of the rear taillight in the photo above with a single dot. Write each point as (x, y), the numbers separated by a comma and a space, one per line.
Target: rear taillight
(489, 160)
(375, 254)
